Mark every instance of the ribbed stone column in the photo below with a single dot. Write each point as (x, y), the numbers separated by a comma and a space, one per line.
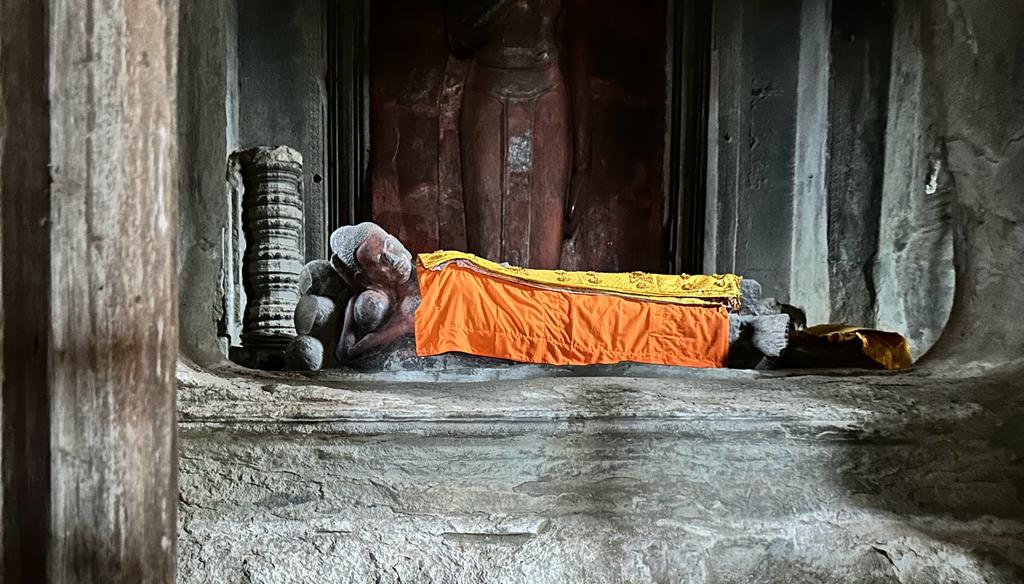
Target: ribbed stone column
(272, 219)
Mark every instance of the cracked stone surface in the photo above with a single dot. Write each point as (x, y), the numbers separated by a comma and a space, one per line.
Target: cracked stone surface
(767, 478)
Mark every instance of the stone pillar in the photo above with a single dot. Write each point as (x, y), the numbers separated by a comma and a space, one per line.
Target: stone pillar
(211, 302)
(89, 223)
(272, 216)
(861, 50)
(757, 62)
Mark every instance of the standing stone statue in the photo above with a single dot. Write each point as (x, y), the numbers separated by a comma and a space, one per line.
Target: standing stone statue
(525, 133)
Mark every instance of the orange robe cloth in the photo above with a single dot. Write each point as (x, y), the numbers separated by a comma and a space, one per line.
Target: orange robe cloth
(469, 310)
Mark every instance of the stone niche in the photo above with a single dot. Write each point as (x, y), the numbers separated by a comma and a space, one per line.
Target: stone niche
(816, 173)
(850, 148)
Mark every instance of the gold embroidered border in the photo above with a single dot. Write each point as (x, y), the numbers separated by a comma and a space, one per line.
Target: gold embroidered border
(680, 289)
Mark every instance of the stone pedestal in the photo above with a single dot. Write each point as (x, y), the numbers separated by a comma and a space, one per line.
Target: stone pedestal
(272, 218)
(708, 477)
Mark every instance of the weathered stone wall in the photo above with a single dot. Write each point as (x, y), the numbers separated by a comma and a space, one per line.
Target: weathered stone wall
(209, 218)
(860, 232)
(974, 78)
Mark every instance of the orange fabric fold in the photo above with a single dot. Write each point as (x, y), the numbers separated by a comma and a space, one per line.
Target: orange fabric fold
(473, 312)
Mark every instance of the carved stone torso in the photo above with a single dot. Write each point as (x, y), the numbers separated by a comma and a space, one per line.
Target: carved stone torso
(515, 132)
(526, 38)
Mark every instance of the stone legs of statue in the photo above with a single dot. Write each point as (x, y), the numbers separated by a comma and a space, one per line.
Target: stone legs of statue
(516, 164)
(525, 124)
(318, 317)
(760, 330)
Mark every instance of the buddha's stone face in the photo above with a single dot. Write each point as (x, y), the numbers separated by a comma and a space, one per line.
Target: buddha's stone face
(384, 260)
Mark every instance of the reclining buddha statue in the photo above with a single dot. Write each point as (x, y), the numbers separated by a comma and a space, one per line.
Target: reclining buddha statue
(372, 293)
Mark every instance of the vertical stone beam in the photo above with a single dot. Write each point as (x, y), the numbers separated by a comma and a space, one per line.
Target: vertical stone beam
(24, 212)
(858, 105)
(766, 216)
(272, 213)
(210, 216)
(347, 115)
(765, 205)
(809, 278)
(730, 104)
(913, 269)
(451, 229)
(691, 52)
(89, 476)
(114, 325)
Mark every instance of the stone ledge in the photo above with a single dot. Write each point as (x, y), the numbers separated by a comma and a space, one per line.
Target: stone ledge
(879, 478)
(795, 479)
(825, 406)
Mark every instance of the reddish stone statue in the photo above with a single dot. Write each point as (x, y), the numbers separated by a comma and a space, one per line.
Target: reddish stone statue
(380, 271)
(364, 299)
(525, 147)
